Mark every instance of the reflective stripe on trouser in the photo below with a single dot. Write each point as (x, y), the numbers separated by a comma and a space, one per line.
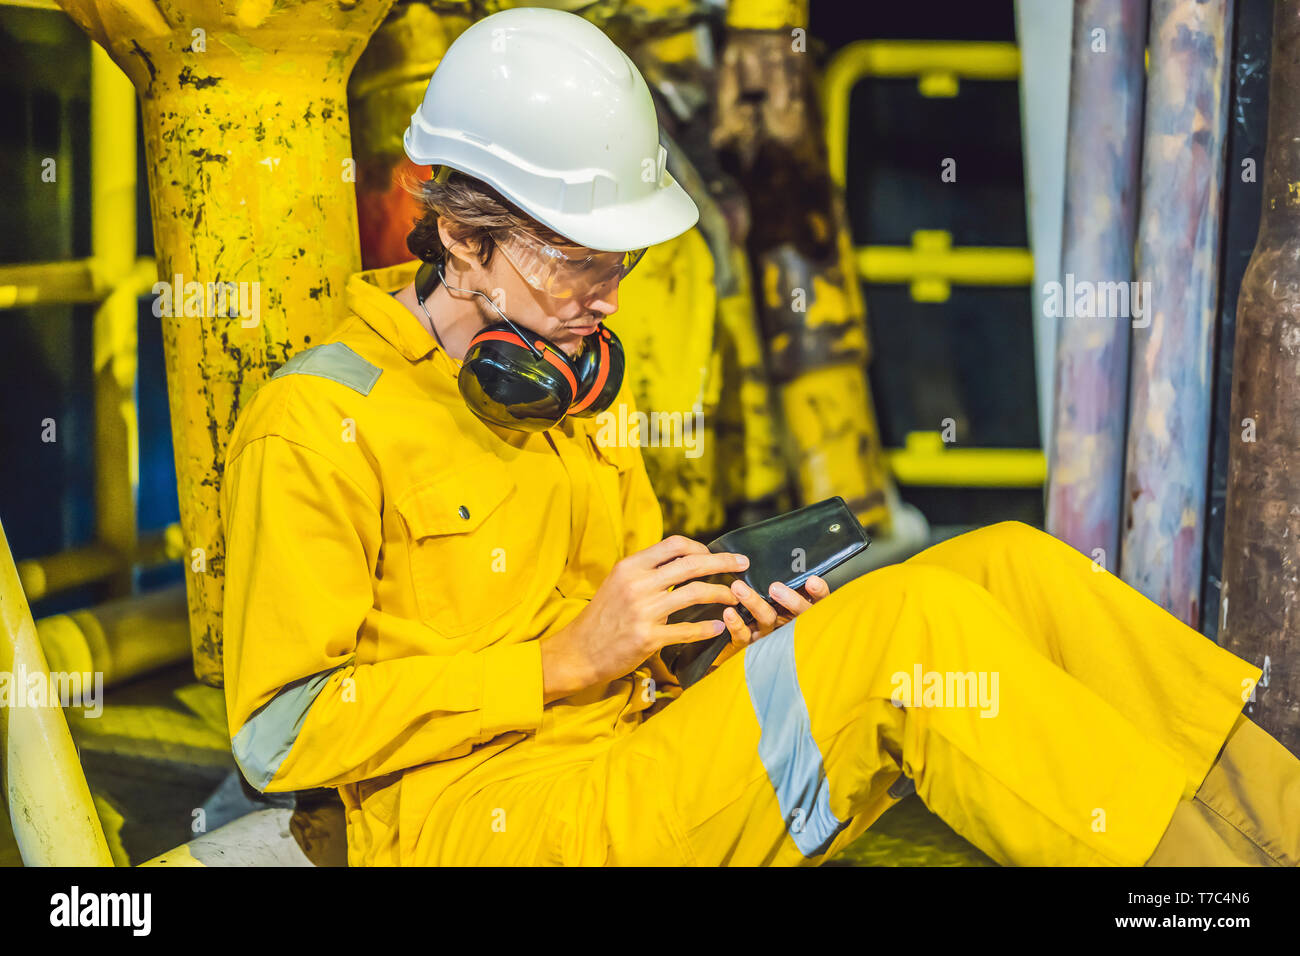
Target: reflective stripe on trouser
(1105, 711)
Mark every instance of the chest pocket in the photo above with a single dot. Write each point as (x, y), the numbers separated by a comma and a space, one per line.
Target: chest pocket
(468, 564)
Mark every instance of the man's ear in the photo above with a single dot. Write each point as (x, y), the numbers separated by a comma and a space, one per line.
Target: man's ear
(463, 249)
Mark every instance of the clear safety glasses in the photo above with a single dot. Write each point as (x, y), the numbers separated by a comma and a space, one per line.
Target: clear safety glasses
(549, 270)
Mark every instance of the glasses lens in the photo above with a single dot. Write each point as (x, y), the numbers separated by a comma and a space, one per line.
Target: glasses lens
(564, 274)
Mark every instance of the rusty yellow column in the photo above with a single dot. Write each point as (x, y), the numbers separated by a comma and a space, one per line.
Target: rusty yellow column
(254, 214)
(806, 286)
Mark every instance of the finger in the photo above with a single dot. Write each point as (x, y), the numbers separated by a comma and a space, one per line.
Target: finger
(741, 635)
(696, 592)
(789, 598)
(670, 548)
(764, 613)
(688, 632)
(816, 588)
(692, 566)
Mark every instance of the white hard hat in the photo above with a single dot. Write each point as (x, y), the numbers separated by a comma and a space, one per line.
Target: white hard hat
(544, 108)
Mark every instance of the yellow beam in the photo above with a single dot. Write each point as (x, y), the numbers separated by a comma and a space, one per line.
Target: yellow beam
(64, 283)
(927, 460)
(50, 808)
(53, 573)
(113, 241)
(931, 266)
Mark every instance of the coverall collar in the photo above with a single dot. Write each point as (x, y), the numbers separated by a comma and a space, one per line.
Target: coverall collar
(369, 296)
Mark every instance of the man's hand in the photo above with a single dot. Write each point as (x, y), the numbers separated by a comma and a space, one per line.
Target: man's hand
(625, 622)
(765, 616)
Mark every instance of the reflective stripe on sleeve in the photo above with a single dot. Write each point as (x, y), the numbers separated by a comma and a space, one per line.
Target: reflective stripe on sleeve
(786, 746)
(266, 738)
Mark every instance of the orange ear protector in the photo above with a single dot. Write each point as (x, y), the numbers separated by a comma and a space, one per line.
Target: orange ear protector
(517, 379)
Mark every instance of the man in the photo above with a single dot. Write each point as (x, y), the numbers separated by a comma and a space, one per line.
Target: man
(451, 608)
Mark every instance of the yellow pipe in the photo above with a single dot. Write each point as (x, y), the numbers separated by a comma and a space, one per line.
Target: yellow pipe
(246, 134)
(926, 460)
(63, 283)
(53, 573)
(41, 577)
(938, 65)
(113, 241)
(50, 808)
(120, 639)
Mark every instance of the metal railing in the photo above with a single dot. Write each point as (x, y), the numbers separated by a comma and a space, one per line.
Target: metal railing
(932, 265)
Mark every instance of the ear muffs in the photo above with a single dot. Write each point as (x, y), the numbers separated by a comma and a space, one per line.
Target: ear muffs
(505, 382)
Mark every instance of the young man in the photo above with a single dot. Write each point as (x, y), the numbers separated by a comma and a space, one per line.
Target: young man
(457, 622)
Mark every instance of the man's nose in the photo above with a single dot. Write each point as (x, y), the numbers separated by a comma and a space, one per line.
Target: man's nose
(604, 299)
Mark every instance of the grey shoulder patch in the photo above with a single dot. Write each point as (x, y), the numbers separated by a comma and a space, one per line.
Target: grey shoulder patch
(336, 362)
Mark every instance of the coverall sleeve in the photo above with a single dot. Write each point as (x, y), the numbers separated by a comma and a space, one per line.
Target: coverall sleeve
(303, 539)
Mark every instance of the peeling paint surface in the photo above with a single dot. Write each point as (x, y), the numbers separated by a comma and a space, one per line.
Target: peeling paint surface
(1170, 390)
(246, 185)
(1086, 469)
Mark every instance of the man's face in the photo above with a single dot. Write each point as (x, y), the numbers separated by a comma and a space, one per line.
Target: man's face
(565, 321)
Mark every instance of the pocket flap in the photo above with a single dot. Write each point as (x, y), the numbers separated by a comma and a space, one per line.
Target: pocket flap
(457, 502)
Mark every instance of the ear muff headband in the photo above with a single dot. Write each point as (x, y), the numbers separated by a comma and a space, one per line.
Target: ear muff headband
(560, 362)
(593, 390)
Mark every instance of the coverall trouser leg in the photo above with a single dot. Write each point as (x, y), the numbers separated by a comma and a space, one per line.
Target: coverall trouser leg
(1058, 717)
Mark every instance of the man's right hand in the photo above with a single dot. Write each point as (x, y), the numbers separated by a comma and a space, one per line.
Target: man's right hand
(625, 623)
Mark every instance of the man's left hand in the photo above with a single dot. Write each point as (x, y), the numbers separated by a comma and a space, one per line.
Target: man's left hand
(766, 617)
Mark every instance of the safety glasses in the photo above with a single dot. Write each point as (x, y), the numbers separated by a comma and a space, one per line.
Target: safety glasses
(558, 274)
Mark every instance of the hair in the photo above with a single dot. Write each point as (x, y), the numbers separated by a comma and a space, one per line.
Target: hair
(472, 210)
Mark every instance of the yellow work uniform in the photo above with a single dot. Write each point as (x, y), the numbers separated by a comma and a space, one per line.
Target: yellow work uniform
(379, 641)
(391, 561)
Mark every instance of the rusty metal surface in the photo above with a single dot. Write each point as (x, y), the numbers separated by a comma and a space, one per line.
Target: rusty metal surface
(1260, 619)
(249, 156)
(1101, 197)
(1178, 254)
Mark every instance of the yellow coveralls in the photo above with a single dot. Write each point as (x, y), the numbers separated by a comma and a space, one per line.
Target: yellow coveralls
(393, 563)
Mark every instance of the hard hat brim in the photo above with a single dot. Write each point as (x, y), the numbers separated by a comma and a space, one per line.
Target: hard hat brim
(664, 214)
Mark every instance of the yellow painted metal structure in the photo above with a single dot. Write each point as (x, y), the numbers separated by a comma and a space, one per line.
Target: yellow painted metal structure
(246, 136)
(932, 265)
(50, 808)
(938, 66)
(112, 219)
(120, 639)
(927, 460)
(766, 14)
(115, 278)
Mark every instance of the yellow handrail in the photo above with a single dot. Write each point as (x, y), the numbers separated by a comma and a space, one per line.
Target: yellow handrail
(931, 265)
(50, 808)
(927, 460)
(937, 64)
